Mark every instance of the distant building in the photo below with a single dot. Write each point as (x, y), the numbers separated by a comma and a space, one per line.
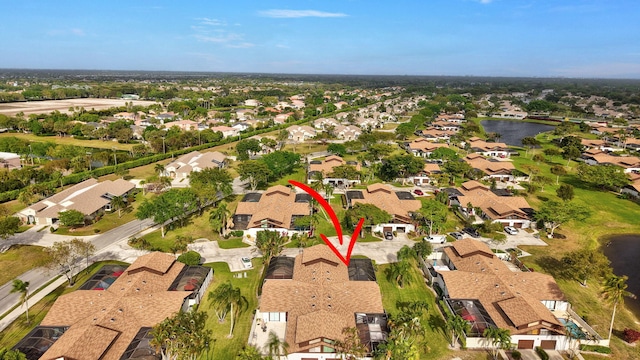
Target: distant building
(9, 161)
(193, 162)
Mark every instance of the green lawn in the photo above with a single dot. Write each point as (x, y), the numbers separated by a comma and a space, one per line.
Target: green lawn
(232, 243)
(226, 348)
(435, 344)
(19, 259)
(68, 140)
(19, 328)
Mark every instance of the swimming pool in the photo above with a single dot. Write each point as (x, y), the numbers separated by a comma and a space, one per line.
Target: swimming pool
(574, 329)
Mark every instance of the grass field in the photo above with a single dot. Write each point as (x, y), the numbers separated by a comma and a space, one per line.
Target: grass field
(68, 140)
(225, 348)
(19, 259)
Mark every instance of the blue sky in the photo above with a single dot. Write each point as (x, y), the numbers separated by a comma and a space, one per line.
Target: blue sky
(568, 38)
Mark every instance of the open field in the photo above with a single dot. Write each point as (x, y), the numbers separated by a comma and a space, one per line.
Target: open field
(47, 106)
(13, 264)
(69, 140)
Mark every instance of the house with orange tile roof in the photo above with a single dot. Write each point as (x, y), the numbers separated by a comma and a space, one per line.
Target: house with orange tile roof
(400, 204)
(478, 200)
(89, 197)
(274, 209)
(633, 189)
(309, 300)
(433, 134)
(476, 285)
(628, 163)
(112, 320)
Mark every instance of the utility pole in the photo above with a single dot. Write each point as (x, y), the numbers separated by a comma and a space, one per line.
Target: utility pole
(31, 154)
(115, 159)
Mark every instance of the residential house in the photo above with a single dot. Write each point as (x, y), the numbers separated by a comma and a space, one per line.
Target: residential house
(434, 135)
(282, 118)
(325, 167)
(309, 300)
(324, 124)
(452, 118)
(241, 126)
(125, 116)
(492, 149)
(446, 126)
(275, 209)
(111, 316)
(184, 125)
(252, 102)
(633, 189)
(422, 147)
(400, 204)
(348, 132)
(300, 133)
(226, 131)
(628, 163)
(89, 197)
(368, 123)
(478, 200)
(476, 285)
(491, 168)
(244, 114)
(425, 177)
(195, 161)
(166, 117)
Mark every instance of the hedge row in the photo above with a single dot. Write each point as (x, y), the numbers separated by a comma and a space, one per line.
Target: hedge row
(76, 178)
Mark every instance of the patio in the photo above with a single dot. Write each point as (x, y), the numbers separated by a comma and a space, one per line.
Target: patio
(259, 335)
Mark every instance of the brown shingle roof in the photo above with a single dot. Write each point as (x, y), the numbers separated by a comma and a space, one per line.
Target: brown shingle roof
(385, 198)
(277, 205)
(320, 300)
(134, 300)
(512, 299)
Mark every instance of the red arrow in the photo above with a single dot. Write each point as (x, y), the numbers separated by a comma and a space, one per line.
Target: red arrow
(336, 223)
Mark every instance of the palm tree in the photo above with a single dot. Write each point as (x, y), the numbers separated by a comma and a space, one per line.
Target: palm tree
(117, 202)
(614, 291)
(400, 273)
(458, 327)
(275, 346)
(237, 304)
(159, 168)
(22, 287)
(218, 217)
(497, 339)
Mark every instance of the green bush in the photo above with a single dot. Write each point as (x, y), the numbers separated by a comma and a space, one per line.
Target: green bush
(516, 355)
(190, 258)
(237, 233)
(139, 243)
(542, 353)
(596, 348)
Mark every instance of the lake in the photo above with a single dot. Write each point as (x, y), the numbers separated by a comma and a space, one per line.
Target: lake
(514, 131)
(624, 251)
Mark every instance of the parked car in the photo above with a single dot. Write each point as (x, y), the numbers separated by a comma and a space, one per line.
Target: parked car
(388, 235)
(436, 239)
(510, 230)
(418, 192)
(456, 235)
(246, 262)
(472, 232)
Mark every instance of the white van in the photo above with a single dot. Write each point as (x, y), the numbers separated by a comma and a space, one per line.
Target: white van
(436, 239)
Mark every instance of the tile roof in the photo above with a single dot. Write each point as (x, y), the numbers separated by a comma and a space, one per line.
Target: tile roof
(136, 299)
(494, 206)
(512, 299)
(196, 160)
(327, 165)
(320, 300)
(276, 206)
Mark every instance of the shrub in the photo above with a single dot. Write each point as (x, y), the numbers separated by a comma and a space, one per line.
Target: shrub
(542, 353)
(596, 348)
(139, 243)
(631, 335)
(238, 233)
(96, 230)
(516, 355)
(190, 258)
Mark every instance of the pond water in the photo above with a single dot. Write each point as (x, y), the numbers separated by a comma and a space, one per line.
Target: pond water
(514, 131)
(624, 251)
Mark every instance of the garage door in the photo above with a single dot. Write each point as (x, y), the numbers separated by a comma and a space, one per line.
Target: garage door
(387, 229)
(400, 229)
(548, 344)
(525, 344)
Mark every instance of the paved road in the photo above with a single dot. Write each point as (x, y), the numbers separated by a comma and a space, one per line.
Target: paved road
(40, 276)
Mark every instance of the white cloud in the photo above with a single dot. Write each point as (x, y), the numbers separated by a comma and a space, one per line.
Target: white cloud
(280, 13)
(211, 22)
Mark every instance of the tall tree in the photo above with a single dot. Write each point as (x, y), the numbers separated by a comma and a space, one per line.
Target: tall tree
(565, 192)
(497, 339)
(434, 214)
(269, 243)
(554, 214)
(400, 166)
(22, 287)
(400, 273)
(350, 346)
(218, 217)
(64, 256)
(558, 170)
(256, 172)
(210, 185)
(458, 328)
(118, 203)
(614, 291)
(585, 264)
(71, 218)
(183, 336)
(175, 204)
